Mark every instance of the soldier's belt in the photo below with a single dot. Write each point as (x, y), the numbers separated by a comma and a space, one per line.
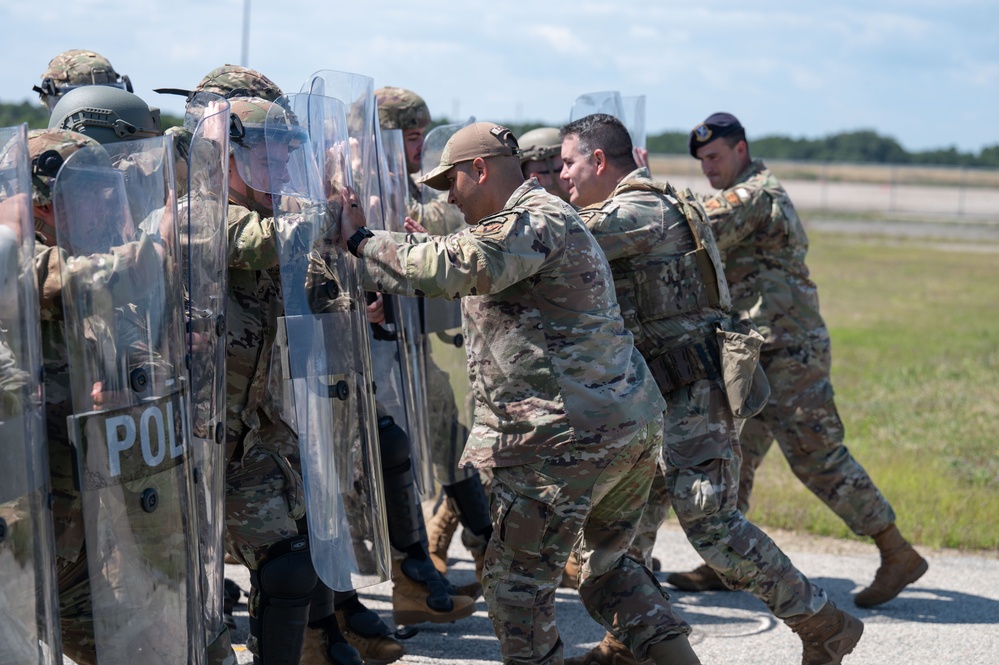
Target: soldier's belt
(683, 365)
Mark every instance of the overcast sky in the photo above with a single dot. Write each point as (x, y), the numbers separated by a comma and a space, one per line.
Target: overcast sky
(926, 73)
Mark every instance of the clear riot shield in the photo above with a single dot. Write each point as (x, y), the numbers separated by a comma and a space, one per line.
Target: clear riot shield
(629, 110)
(357, 93)
(634, 119)
(29, 622)
(450, 393)
(202, 214)
(395, 382)
(325, 357)
(116, 228)
(397, 360)
(608, 102)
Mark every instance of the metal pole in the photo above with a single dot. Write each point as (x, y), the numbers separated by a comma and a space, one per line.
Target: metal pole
(244, 61)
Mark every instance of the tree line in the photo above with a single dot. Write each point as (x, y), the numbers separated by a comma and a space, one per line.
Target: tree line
(863, 146)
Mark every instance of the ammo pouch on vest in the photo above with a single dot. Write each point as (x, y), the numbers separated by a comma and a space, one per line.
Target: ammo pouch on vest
(683, 365)
(746, 384)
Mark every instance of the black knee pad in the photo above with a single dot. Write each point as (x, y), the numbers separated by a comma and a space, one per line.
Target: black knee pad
(285, 581)
(472, 505)
(405, 516)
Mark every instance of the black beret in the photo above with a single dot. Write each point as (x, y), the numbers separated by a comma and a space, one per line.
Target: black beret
(716, 126)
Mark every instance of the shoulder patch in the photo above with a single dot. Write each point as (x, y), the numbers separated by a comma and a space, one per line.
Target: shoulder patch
(712, 204)
(732, 198)
(742, 193)
(494, 226)
(596, 210)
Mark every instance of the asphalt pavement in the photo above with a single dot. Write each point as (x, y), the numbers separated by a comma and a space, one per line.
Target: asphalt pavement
(950, 616)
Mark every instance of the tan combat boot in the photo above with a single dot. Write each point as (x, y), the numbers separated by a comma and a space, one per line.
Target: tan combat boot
(609, 652)
(702, 578)
(828, 635)
(425, 599)
(375, 648)
(901, 565)
(317, 649)
(570, 576)
(440, 531)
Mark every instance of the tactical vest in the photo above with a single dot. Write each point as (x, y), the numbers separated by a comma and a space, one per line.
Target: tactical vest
(677, 286)
(685, 284)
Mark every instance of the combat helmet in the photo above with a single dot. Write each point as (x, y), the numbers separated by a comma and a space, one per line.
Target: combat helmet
(73, 69)
(107, 115)
(403, 109)
(49, 149)
(540, 144)
(231, 81)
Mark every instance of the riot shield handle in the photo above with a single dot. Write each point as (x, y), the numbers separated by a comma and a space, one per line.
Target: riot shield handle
(378, 331)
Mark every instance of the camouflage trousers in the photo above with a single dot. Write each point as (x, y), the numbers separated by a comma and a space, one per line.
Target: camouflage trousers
(265, 498)
(590, 498)
(801, 415)
(701, 487)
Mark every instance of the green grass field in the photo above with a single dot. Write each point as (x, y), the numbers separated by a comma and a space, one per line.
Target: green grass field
(916, 369)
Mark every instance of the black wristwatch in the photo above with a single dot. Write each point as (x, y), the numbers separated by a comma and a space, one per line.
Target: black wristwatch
(355, 240)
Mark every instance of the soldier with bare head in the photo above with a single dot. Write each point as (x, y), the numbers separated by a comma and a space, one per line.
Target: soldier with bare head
(671, 287)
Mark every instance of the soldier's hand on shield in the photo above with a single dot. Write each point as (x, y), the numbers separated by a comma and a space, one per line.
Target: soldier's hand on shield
(215, 126)
(168, 227)
(376, 310)
(336, 168)
(413, 226)
(353, 216)
(641, 156)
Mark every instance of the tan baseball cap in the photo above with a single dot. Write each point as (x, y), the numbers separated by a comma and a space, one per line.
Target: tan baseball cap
(480, 139)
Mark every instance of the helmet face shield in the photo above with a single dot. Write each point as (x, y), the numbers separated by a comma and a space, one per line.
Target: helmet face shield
(268, 157)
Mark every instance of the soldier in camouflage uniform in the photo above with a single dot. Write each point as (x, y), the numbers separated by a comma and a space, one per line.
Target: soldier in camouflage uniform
(764, 245)
(566, 413)
(74, 68)
(254, 407)
(541, 158)
(465, 501)
(125, 283)
(67, 507)
(673, 297)
(265, 506)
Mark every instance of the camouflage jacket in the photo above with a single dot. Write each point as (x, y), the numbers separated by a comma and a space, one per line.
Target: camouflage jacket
(665, 297)
(764, 246)
(549, 359)
(253, 306)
